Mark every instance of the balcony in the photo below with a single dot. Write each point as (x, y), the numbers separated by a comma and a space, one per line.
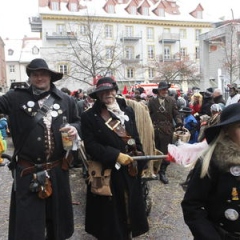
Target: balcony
(131, 60)
(169, 38)
(130, 38)
(36, 24)
(61, 35)
(169, 57)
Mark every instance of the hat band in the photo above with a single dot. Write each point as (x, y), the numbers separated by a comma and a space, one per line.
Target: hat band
(105, 85)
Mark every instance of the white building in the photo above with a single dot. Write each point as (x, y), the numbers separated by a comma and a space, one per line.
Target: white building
(139, 32)
(18, 53)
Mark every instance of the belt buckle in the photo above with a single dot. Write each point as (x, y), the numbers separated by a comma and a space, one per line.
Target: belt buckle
(113, 127)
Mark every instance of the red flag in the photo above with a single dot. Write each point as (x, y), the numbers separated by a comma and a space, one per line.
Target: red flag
(125, 91)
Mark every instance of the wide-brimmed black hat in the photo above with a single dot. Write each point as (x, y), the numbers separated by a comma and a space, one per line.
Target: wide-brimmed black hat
(105, 83)
(230, 115)
(40, 64)
(161, 85)
(186, 110)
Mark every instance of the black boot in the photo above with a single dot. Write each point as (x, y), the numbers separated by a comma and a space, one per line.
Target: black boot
(162, 173)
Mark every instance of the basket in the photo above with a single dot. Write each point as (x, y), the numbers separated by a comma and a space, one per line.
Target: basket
(184, 135)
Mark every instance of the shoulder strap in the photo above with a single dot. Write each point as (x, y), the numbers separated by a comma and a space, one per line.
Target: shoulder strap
(40, 114)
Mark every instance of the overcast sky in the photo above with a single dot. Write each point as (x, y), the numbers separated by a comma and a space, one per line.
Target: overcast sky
(14, 14)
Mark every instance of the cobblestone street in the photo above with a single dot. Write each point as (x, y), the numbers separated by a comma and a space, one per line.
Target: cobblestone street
(166, 221)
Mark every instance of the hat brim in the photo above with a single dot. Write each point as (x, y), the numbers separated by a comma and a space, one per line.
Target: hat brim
(155, 90)
(55, 76)
(101, 89)
(184, 111)
(212, 132)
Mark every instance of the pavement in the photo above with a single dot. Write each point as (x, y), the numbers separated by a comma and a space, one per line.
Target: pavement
(165, 219)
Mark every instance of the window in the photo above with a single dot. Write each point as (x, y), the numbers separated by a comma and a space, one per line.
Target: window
(35, 50)
(183, 33)
(10, 52)
(129, 52)
(183, 52)
(150, 50)
(61, 29)
(73, 7)
(11, 68)
(199, 15)
(83, 29)
(109, 52)
(151, 72)
(55, 6)
(130, 73)
(63, 68)
(150, 33)
(108, 31)
(161, 12)
(145, 11)
(197, 52)
(111, 9)
(128, 31)
(133, 10)
(12, 80)
(197, 34)
(167, 52)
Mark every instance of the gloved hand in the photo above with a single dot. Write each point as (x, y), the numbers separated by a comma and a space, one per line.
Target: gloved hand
(179, 125)
(124, 159)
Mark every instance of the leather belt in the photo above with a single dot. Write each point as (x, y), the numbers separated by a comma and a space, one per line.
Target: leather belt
(32, 168)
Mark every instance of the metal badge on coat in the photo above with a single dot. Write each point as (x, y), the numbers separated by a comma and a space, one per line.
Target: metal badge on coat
(235, 171)
(231, 214)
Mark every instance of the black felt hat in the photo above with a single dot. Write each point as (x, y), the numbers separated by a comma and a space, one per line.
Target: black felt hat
(105, 83)
(40, 64)
(161, 85)
(186, 110)
(230, 114)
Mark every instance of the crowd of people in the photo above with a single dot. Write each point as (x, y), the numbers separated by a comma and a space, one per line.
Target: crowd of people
(41, 205)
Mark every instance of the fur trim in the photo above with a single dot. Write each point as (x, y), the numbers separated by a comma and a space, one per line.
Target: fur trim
(226, 154)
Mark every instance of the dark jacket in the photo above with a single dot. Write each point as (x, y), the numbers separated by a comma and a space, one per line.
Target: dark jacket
(106, 216)
(27, 210)
(207, 199)
(163, 121)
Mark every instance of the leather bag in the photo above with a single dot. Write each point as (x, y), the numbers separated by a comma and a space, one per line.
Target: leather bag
(99, 178)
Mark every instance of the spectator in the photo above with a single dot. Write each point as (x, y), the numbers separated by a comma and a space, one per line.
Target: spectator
(234, 96)
(218, 97)
(190, 123)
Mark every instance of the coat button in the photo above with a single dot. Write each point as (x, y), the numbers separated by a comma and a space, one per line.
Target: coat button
(39, 139)
(39, 159)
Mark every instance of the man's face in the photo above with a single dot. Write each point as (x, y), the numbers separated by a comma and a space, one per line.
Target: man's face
(40, 79)
(107, 96)
(163, 92)
(232, 91)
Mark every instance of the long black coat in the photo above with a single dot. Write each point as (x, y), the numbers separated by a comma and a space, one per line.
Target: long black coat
(106, 216)
(207, 199)
(27, 210)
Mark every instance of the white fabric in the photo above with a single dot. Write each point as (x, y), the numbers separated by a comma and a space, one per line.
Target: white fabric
(115, 109)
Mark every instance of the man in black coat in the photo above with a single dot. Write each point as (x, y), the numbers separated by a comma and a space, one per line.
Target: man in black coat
(106, 129)
(35, 207)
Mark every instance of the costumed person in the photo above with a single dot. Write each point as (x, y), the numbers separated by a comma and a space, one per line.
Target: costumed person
(234, 96)
(164, 112)
(110, 137)
(196, 103)
(41, 203)
(212, 120)
(218, 97)
(190, 123)
(211, 202)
